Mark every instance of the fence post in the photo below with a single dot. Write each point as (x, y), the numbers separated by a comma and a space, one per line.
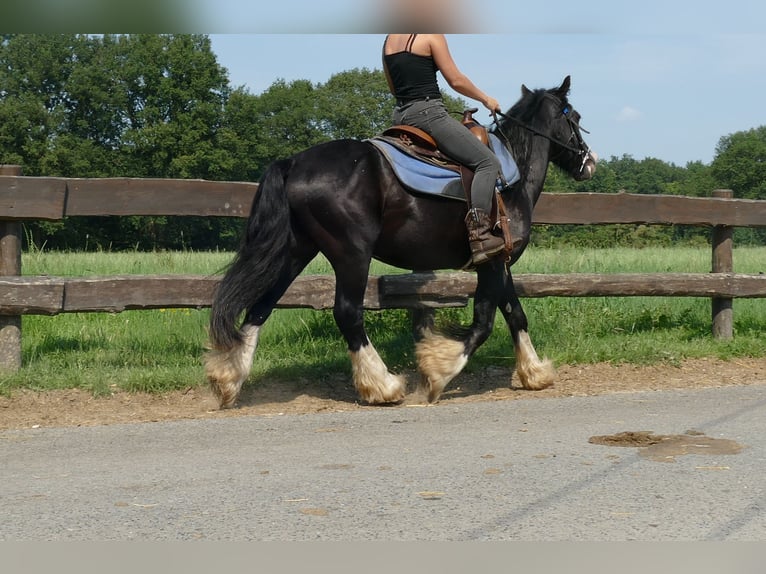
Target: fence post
(723, 262)
(10, 264)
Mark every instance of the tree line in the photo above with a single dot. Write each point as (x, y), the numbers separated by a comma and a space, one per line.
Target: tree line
(160, 105)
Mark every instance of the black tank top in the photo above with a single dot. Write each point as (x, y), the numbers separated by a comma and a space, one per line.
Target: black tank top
(413, 75)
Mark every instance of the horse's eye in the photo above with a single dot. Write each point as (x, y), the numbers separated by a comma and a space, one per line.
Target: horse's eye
(565, 111)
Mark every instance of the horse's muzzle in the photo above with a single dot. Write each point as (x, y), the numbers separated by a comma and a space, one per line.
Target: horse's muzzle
(588, 167)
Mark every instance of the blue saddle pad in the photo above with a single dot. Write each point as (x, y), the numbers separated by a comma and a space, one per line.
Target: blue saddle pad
(423, 177)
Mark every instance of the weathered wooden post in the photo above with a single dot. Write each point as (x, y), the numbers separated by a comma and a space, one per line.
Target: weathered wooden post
(10, 264)
(723, 262)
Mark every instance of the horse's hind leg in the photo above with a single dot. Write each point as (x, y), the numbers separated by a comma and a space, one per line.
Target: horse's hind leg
(226, 371)
(534, 374)
(372, 380)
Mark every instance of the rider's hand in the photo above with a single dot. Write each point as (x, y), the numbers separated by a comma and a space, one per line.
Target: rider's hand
(492, 104)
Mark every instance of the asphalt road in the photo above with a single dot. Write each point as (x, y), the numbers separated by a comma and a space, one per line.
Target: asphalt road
(514, 470)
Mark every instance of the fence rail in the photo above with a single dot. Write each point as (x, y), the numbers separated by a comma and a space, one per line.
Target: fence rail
(51, 198)
(113, 294)
(29, 198)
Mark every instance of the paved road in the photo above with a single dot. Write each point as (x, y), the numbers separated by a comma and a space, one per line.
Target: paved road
(514, 470)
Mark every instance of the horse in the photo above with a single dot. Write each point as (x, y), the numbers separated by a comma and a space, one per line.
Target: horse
(341, 198)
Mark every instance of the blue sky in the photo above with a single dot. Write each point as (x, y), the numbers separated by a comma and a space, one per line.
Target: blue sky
(664, 79)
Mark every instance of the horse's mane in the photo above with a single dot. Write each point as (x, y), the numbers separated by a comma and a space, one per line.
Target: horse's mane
(524, 112)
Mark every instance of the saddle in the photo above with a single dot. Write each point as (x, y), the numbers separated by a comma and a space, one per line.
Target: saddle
(420, 145)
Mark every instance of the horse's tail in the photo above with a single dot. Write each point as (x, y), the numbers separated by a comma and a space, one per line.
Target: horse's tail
(260, 260)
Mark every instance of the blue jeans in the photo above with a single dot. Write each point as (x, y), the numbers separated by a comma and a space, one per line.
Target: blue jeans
(457, 142)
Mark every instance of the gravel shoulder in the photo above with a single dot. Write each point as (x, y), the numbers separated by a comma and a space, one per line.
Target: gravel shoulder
(266, 397)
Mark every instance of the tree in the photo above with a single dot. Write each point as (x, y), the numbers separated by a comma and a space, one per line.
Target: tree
(354, 104)
(740, 163)
(33, 73)
(102, 106)
(280, 122)
(176, 92)
(137, 105)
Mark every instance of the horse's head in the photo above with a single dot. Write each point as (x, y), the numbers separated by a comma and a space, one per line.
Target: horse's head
(569, 150)
(549, 114)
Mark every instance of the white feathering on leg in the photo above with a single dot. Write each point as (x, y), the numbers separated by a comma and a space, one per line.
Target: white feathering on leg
(534, 374)
(372, 380)
(440, 359)
(226, 371)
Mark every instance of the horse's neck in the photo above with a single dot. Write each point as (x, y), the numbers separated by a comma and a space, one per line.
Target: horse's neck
(533, 167)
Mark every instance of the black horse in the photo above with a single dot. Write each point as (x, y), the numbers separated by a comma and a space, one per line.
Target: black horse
(342, 199)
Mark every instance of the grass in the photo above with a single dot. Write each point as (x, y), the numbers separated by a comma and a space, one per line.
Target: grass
(161, 350)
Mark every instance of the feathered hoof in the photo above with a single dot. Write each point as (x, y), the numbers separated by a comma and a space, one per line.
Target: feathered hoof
(226, 393)
(224, 378)
(538, 376)
(373, 382)
(534, 374)
(227, 369)
(391, 392)
(431, 389)
(440, 359)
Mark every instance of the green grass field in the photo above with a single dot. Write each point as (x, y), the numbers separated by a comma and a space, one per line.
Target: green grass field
(162, 349)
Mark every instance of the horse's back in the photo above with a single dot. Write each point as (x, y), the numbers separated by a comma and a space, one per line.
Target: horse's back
(344, 192)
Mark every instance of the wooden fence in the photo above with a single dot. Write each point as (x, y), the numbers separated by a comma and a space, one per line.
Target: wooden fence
(29, 198)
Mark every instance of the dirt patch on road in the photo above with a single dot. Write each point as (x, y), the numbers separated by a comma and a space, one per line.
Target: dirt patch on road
(28, 409)
(666, 448)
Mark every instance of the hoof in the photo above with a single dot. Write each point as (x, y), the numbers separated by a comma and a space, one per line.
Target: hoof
(534, 374)
(440, 360)
(373, 382)
(224, 378)
(538, 376)
(227, 370)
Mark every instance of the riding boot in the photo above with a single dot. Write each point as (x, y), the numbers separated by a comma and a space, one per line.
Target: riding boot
(483, 244)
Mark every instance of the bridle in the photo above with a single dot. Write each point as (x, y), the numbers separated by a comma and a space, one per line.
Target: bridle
(582, 149)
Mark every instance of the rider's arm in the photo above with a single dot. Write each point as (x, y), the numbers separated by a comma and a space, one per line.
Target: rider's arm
(456, 79)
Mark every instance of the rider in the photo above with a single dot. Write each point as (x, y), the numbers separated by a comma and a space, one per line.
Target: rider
(410, 62)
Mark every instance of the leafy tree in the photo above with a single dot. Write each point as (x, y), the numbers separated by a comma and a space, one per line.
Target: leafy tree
(354, 104)
(176, 92)
(696, 180)
(33, 72)
(280, 122)
(101, 106)
(740, 163)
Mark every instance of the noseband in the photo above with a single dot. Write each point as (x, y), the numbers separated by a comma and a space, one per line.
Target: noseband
(582, 150)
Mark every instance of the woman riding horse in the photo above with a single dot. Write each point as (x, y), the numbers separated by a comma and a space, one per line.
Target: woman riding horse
(342, 199)
(410, 62)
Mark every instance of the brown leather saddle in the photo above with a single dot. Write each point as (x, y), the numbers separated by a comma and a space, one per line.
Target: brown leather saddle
(420, 145)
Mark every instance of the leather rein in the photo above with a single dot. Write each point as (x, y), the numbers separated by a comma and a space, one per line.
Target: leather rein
(583, 150)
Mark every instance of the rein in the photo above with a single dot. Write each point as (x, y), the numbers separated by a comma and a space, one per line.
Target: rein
(583, 150)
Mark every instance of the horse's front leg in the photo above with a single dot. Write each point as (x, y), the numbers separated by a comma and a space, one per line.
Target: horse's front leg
(441, 357)
(372, 380)
(534, 374)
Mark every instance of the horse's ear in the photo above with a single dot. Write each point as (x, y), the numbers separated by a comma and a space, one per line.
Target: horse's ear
(525, 90)
(563, 89)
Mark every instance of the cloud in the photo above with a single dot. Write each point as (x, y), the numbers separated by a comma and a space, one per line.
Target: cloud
(628, 114)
